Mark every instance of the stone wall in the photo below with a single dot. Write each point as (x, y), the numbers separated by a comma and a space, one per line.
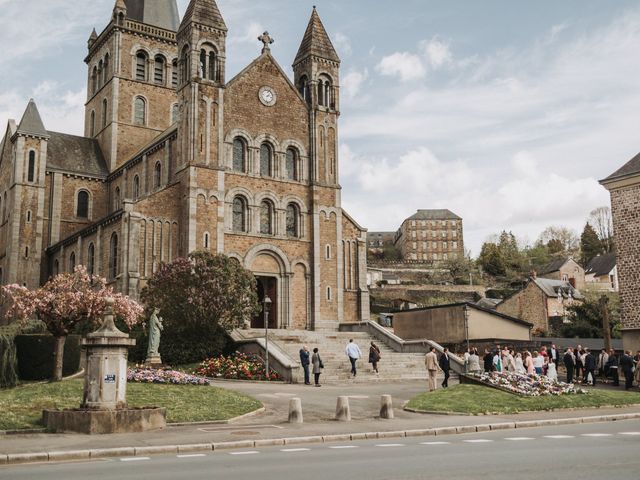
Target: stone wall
(529, 304)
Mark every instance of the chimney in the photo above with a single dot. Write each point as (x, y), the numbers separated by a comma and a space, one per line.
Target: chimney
(534, 274)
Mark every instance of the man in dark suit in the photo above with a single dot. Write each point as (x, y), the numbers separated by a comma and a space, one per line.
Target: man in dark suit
(488, 360)
(626, 364)
(445, 365)
(590, 366)
(304, 360)
(569, 363)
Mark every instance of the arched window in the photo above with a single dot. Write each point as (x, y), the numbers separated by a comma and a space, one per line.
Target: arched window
(239, 214)
(239, 155)
(28, 216)
(303, 88)
(31, 173)
(208, 68)
(100, 73)
(26, 252)
(140, 111)
(293, 214)
(185, 64)
(158, 71)
(91, 259)
(327, 252)
(94, 80)
(266, 218)
(82, 209)
(205, 241)
(113, 256)
(266, 160)
(116, 199)
(292, 164)
(136, 187)
(92, 123)
(203, 64)
(213, 66)
(174, 73)
(329, 294)
(325, 91)
(141, 66)
(105, 72)
(157, 175)
(174, 113)
(104, 112)
(72, 261)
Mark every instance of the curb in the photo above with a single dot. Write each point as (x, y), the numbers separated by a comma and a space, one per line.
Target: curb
(43, 457)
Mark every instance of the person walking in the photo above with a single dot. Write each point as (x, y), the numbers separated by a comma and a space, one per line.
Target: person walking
(445, 366)
(474, 362)
(569, 363)
(626, 364)
(317, 366)
(354, 353)
(304, 360)
(431, 362)
(374, 356)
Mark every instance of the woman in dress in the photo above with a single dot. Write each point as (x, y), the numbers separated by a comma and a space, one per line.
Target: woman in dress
(374, 356)
(519, 364)
(538, 363)
(316, 361)
(474, 362)
(552, 373)
(528, 363)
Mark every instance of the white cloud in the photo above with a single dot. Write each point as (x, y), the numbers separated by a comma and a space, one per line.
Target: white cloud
(405, 65)
(250, 35)
(437, 52)
(342, 44)
(352, 83)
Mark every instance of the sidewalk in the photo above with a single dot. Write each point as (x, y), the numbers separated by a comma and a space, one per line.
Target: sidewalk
(318, 409)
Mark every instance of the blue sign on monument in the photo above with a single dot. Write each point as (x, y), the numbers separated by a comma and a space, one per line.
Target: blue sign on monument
(109, 379)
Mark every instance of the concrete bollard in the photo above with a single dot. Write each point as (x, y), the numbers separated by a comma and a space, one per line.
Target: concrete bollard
(343, 412)
(386, 407)
(295, 410)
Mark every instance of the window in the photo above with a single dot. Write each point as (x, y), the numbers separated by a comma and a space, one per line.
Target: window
(94, 80)
(329, 294)
(104, 113)
(82, 209)
(140, 111)
(444, 245)
(31, 174)
(435, 256)
(303, 88)
(136, 187)
(239, 214)
(157, 175)
(325, 92)
(213, 66)
(185, 61)
(433, 234)
(455, 245)
(113, 256)
(266, 160)
(100, 74)
(239, 155)
(174, 73)
(266, 218)
(91, 259)
(205, 241)
(413, 223)
(208, 67)
(72, 261)
(445, 256)
(174, 113)
(28, 216)
(116, 199)
(26, 252)
(92, 124)
(327, 252)
(292, 164)
(158, 70)
(444, 234)
(455, 234)
(105, 71)
(293, 214)
(141, 66)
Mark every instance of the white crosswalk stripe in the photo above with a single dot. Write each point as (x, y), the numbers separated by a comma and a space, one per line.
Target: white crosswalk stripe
(519, 439)
(559, 437)
(134, 459)
(192, 455)
(435, 443)
(597, 435)
(250, 452)
(479, 440)
(341, 447)
(292, 450)
(390, 445)
(630, 433)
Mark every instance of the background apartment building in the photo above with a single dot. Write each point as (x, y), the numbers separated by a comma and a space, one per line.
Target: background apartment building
(431, 235)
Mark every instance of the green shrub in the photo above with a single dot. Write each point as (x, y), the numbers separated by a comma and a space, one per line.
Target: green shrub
(36, 358)
(8, 362)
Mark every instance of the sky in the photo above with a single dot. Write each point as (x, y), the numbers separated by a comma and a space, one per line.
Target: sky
(506, 112)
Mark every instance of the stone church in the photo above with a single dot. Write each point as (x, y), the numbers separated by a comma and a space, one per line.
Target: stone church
(175, 158)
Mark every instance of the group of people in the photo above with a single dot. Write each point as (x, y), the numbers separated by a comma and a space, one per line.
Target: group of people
(435, 364)
(353, 353)
(581, 364)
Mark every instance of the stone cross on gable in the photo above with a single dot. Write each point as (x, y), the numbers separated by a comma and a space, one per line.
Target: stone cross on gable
(267, 40)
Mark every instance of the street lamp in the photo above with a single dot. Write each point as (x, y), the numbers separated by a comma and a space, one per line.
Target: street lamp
(266, 303)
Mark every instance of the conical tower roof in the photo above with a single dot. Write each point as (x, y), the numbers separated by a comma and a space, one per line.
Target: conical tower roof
(316, 41)
(31, 123)
(159, 13)
(204, 12)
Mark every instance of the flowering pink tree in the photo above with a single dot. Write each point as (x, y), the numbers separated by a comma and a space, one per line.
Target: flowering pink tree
(66, 301)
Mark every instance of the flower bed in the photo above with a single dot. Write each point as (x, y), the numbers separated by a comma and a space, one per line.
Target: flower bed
(236, 367)
(151, 375)
(527, 385)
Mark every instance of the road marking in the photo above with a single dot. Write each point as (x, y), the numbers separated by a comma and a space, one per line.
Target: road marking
(239, 427)
(192, 455)
(134, 459)
(390, 445)
(480, 440)
(519, 439)
(289, 450)
(629, 433)
(250, 452)
(597, 435)
(435, 443)
(340, 447)
(558, 437)
(359, 397)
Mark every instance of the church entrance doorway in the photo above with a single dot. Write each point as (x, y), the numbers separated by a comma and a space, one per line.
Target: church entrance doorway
(267, 286)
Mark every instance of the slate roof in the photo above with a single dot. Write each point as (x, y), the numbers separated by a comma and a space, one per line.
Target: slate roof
(632, 167)
(437, 214)
(159, 13)
(204, 12)
(74, 154)
(551, 288)
(602, 264)
(553, 266)
(316, 41)
(31, 123)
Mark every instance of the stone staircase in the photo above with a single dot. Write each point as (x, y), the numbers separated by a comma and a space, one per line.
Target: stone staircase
(393, 366)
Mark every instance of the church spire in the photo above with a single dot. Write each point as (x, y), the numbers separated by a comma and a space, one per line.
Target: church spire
(204, 12)
(31, 123)
(316, 41)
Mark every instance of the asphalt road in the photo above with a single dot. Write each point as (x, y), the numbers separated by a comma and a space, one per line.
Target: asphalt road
(586, 451)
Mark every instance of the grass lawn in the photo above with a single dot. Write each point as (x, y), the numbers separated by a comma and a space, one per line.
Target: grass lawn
(21, 407)
(475, 400)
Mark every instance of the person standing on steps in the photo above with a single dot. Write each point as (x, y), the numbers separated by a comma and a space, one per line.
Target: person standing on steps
(354, 353)
(317, 367)
(431, 362)
(374, 356)
(445, 366)
(304, 360)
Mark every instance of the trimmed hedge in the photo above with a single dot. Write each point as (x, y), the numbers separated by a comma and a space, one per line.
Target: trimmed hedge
(36, 356)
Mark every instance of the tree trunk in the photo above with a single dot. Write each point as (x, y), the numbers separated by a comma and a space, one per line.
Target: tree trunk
(606, 328)
(58, 354)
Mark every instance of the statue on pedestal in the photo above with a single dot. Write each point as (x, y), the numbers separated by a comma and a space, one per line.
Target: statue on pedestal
(155, 327)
